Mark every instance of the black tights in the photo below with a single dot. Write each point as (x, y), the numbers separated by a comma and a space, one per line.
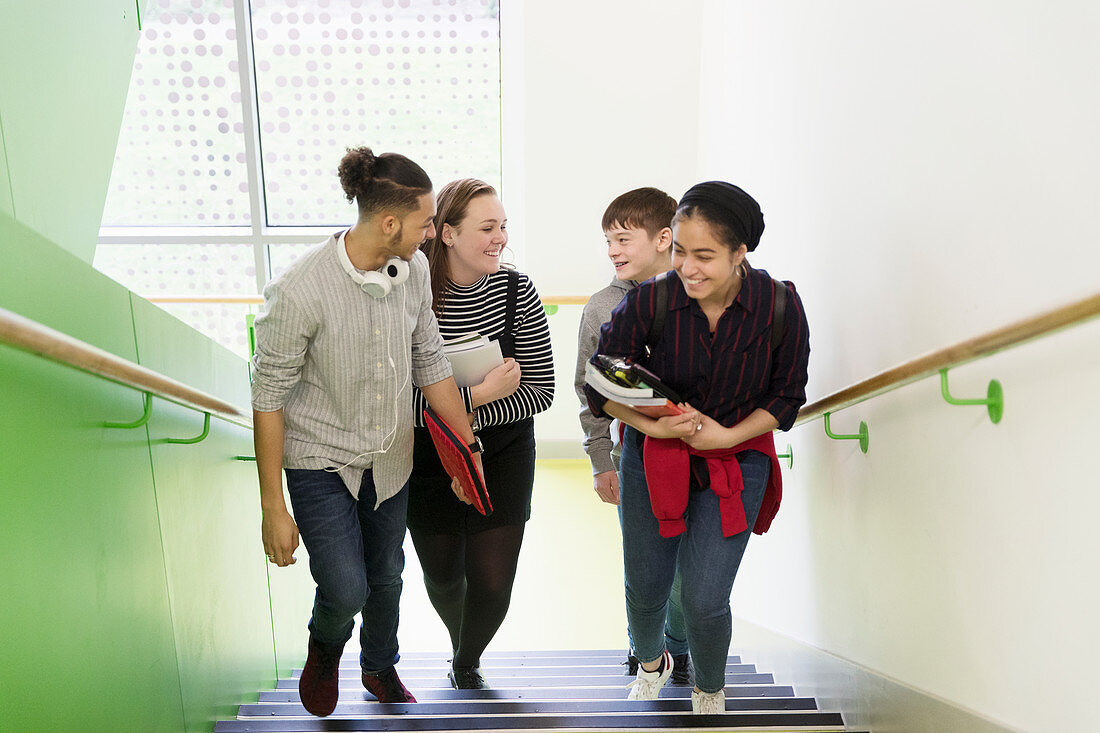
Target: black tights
(469, 581)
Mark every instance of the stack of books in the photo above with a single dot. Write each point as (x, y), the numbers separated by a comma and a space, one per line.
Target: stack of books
(630, 384)
(472, 356)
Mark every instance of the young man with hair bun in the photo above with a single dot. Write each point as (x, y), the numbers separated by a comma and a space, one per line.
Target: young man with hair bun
(345, 333)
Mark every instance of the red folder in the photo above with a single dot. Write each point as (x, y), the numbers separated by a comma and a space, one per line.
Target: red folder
(458, 460)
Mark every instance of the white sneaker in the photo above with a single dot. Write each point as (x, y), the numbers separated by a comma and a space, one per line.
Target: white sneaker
(708, 703)
(648, 685)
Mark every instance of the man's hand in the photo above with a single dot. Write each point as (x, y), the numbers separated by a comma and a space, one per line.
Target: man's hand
(606, 485)
(280, 535)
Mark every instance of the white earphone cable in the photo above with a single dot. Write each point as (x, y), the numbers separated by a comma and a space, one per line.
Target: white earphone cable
(392, 435)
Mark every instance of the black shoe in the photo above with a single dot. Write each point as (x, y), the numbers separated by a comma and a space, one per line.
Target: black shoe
(631, 665)
(683, 673)
(467, 678)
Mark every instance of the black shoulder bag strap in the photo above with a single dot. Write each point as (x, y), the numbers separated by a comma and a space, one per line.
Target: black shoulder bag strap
(779, 313)
(511, 305)
(657, 325)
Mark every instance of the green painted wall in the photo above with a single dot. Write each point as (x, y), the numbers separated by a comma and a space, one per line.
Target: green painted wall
(136, 587)
(210, 518)
(67, 69)
(136, 590)
(6, 204)
(86, 618)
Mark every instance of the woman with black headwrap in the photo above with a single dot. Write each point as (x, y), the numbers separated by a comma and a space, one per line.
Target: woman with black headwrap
(734, 343)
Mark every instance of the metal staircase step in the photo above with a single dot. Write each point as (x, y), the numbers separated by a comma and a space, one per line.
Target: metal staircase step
(595, 670)
(352, 681)
(368, 707)
(816, 721)
(559, 693)
(512, 659)
(535, 691)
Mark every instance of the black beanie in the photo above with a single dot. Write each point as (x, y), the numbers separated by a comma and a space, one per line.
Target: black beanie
(729, 205)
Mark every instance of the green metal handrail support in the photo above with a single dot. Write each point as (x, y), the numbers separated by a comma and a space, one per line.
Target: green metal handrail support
(147, 399)
(994, 398)
(199, 438)
(863, 436)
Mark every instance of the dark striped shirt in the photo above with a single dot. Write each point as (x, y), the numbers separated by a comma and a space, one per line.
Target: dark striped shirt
(726, 375)
(480, 308)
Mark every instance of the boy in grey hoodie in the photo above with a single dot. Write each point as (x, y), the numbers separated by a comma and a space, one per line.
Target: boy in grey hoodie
(637, 227)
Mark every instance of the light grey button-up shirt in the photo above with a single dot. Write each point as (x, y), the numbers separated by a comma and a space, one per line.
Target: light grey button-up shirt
(338, 362)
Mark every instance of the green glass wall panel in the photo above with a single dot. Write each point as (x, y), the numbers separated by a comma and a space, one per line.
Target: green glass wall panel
(67, 70)
(88, 635)
(210, 520)
(292, 590)
(217, 575)
(6, 204)
(43, 282)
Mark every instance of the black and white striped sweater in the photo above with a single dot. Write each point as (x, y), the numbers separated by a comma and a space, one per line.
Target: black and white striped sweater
(480, 308)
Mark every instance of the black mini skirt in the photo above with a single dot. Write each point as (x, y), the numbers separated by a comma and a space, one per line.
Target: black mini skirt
(509, 462)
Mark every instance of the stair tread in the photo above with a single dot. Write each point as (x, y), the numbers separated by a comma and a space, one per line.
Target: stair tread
(353, 682)
(544, 690)
(814, 720)
(368, 707)
(407, 672)
(559, 693)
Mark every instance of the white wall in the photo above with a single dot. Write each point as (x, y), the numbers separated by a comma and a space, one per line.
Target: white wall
(928, 171)
(598, 98)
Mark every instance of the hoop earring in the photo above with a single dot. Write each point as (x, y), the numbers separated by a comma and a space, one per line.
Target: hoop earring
(741, 271)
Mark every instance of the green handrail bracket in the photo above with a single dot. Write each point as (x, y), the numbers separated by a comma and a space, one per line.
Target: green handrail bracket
(863, 436)
(788, 456)
(244, 458)
(201, 437)
(250, 326)
(994, 398)
(147, 398)
(550, 309)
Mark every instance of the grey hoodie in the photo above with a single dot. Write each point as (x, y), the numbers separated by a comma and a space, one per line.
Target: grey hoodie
(597, 430)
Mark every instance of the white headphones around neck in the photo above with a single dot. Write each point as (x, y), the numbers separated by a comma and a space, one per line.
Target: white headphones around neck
(375, 283)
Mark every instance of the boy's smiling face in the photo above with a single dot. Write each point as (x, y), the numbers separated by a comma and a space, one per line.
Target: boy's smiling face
(636, 255)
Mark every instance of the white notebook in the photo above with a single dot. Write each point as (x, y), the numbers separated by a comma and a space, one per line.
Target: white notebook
(472, 356)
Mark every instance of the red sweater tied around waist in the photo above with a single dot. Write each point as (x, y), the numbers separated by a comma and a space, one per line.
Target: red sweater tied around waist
(668, 473)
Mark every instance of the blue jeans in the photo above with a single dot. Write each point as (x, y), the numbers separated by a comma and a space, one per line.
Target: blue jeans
(356, 558)
(707, 561)
(675, 632)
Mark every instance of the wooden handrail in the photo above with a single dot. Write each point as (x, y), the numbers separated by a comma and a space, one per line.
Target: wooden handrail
(952, 356)
(898, 376)
(33, 337)
(258, 300)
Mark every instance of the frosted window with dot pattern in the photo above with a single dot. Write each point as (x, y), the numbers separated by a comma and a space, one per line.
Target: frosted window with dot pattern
(181, 154)
(152, 270)
(223, 322)
(417, 77)
(188, 270)
(282, 256)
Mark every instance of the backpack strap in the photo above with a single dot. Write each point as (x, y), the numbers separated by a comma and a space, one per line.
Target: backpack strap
(657, 325)
(511, 306)
(779, 313)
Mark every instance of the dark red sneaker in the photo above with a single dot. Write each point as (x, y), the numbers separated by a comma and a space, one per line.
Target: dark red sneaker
(387, 687)
(319, 685)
